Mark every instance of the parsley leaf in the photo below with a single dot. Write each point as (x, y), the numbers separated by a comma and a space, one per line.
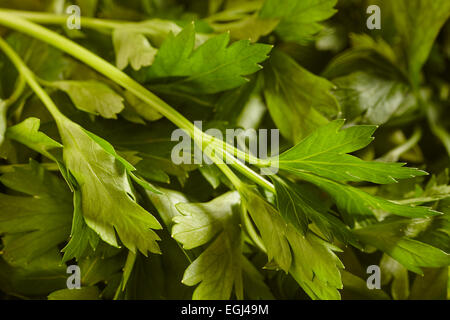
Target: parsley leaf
(38, 222)
(27, 132)
(218, 268)
(325, 153)
(92, 96)
(320, 276)
(90, 160)
(211, 68)
(132, 48)
(299, 19)
(417, 42)
(299, 205)
(298, 100)
(392, 238)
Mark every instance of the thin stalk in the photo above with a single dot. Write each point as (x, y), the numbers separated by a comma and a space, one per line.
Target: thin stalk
(224, 168)
(14, 21)
(96, 63)
(5, 104)
(249, 173)
(251, 231)
(245, 219)
(239, 153)
(20, 86)
(60, 19)
(31, 80)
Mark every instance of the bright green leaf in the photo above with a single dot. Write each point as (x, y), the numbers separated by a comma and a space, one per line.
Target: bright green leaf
(299, 19)
(392, 238)
(132, 48)
(38, 222)
(324, 152)
(217, 270)
(298, 100)
(211, 68)
(92, 96)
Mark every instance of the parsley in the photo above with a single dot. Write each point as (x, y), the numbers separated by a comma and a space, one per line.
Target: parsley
(87, 178)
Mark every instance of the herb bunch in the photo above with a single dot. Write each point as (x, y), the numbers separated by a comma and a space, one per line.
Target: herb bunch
(86, 118)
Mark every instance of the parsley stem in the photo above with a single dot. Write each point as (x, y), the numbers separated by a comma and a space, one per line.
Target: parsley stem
(14, 21)
(31, 80)
(251, 231)
(225, 169)
(20, 86)
(239, 153)
(59, 19)
(97, 63)
(249, 173)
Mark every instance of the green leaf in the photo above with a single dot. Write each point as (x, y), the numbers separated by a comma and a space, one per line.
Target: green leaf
(218, 269)
(417, 42)
(81, 236)
(370, 84)
(438, 232)
(242, 20)
(299, 205)
(92, 96)
(40, 277)
(376, 98)
(369, 55)
(319, 276)
(27, 133)
(435, 117)
(272, 228)
(324, 152)
(298, 100)
(356, 205)
(132, 48)
(33, 224)
(211, 68)
(299, 19)
(255, 287)
(437, 188)
(166, 203)
(393, 238)
(355, 288)
(45, 61)
(107, 199)
(431, 286)
(93, 182)
(393, 271)
(100, 266)
(84, 293)
(141, 108)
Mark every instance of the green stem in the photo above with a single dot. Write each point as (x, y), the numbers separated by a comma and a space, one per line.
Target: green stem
(20, 86)
(245, 219)
(31, 80)
(59, 19)
(239, 153)
(102, 66)
(249, 173)
(96, 63)
(218, 160)
(251, 231)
